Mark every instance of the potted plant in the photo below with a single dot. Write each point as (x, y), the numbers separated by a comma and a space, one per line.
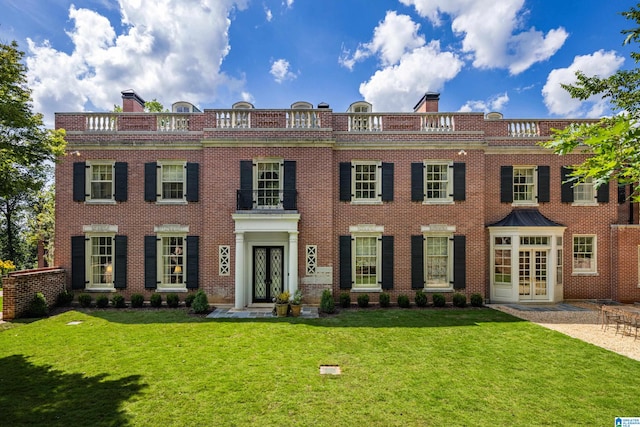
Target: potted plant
(282, 304)
(296, 303)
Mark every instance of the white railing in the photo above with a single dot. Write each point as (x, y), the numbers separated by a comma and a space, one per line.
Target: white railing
(173, 123)
(365, 122)
(101, 122)
(437, 123)
(303, 119)
(233, 119)
(523, 129)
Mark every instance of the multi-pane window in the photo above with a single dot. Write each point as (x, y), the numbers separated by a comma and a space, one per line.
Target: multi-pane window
(437, 181)
(437, 262)
(101, 261)
(172, 262)
(523, 184)
(366, 262)
(268, 184)
(365, 181)
(584, 254)
(101, 182)
(584, 191)
(172, 181)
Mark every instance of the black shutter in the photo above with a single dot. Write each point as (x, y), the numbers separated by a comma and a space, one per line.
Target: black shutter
(79, 177)
(150, 262)
(121, 174)
(566, 188)
(417, 182)
(345, 262)
(289, 185)
(417, 262)
(345, 181)
(150, 181)
(193, 262)
(78, 276)
(603, 193)
(245, 198)
(193, 182)
(459, 181)
(622, 193)
(387, 262)
(459, 262)
(120, 263)
(387, 182)
(506, 184)
(544, 195)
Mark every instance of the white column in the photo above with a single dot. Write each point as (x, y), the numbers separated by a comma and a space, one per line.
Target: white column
(293, 261)
(240, 268)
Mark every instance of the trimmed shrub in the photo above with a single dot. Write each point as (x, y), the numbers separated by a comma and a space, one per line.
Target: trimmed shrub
(118, 301)
(38, 306)
(345, 300)
(156, 300)
(385, 299)
(102, 301)
(421, 298)
(403, 301)
(477, 300)
(64, 298)
(363, 300)
(173, 300)
(137, 300)
(85, 300)
(459, 300)
(439, 300)
(200, 302)
(327, 305)
(188, 300)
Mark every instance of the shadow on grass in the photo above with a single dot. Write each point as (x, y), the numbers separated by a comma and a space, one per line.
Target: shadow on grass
(40, 395)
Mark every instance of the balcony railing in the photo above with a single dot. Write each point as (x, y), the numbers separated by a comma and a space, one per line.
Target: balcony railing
(365, 122)
(173, 123)
(266, 199)
(523, 129)
(303, 119)
(101, 122)
(230, 119)
(437, 123)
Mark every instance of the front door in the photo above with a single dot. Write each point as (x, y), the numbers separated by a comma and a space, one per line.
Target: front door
(268, 267)
(532, 279)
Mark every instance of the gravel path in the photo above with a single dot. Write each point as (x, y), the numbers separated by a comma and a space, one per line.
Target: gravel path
(583, 325)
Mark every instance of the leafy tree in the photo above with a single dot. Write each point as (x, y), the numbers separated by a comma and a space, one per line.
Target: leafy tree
(154, 106)
(26, 148)
(613, 143)
(41, 222)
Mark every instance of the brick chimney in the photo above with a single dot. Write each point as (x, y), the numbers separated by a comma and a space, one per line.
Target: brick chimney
(131, 102)
(428, 103)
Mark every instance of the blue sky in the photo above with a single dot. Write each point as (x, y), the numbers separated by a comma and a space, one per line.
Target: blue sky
(481, 55)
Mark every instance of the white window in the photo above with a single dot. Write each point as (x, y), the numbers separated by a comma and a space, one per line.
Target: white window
(171, 181)
(100, 261)
(366, 250)
(172, 263)
(438, 261)
(584, 254)
(100, 181)
(584, 192)
(366, 181)
(438, 182)
(268, 184)
(524, 184)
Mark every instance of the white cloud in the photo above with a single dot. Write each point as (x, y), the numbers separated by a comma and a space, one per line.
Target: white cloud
(558, 100)
(268, 13)
(169, 50)
(488, 31)
(495, 103)
(280, 71)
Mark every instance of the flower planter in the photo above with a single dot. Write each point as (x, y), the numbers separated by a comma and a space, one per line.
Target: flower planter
(295, 310)
(282, 309)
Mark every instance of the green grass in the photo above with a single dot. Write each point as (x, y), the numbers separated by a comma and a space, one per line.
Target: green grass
(471, 367)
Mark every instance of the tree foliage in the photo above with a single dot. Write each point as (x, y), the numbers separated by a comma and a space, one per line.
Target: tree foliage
(26, 148)
(612, 143)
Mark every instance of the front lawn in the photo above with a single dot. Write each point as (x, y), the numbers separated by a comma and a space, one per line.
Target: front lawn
(471, 367)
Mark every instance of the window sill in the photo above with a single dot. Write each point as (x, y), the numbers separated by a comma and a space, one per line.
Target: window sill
(95, 289)
(436, 290)
(584, 204)
(172, 202)
(438, 202)
(585, 273)
(362, 290)
(167, 290)
(100, 202)
(528, 204)
(366, 202)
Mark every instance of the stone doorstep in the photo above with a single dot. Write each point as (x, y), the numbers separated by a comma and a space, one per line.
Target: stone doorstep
(256, 313)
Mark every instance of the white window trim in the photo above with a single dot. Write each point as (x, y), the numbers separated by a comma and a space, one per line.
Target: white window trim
(594, 193)
(274, 160)
(89, 235)
(534, 193)
(372, 201)
(88, 173)
(378, 286)
(448, 200)
(437, 230)
(168, 232)
(585, 272)
(161, 200)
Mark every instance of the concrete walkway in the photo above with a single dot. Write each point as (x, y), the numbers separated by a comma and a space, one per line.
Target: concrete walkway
(257, 313)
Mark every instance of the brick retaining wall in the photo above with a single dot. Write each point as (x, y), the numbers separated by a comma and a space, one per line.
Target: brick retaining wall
(20, 287)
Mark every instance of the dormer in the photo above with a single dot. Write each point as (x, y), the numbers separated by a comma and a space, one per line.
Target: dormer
(243, 105)
(184, 107)
(301, 105)
(360, 107)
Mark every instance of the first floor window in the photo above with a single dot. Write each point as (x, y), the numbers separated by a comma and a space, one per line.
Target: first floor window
(584, 254)
(172, 264)
(437, 261)
(101, 261)
(502, 266)
(366, 262)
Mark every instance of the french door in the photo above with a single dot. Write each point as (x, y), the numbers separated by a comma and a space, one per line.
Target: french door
(533, 274)
(268, 267)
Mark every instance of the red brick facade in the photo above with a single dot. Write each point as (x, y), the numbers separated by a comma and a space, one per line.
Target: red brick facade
(484, 145)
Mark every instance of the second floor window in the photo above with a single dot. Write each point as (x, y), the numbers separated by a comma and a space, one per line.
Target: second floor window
(268, 184)
(437, 181)
(172, 181)
(365, 181)
(101, 181)
(523, 184)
